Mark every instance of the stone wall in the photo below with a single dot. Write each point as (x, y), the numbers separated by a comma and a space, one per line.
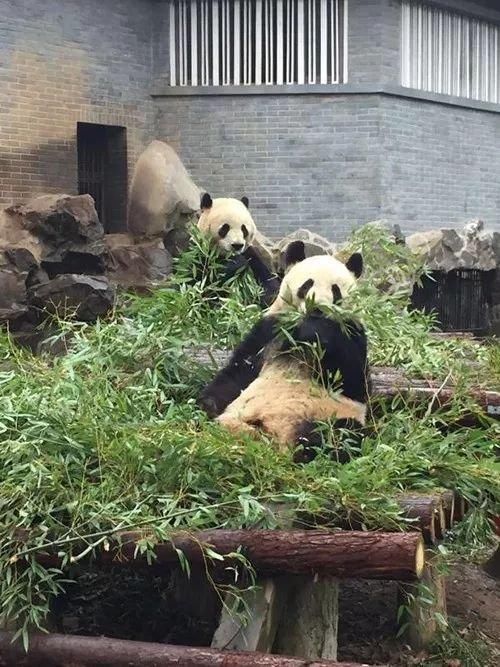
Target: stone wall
(61, 63)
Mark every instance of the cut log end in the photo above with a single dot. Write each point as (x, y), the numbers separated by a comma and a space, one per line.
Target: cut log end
(419, 559)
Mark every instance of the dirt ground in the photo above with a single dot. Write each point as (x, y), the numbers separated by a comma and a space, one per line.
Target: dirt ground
(135, 605)
(367, 624)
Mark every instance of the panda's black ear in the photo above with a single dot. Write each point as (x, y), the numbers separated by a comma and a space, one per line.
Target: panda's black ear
(245, 201)
(206, 202)
(295, 252)
(355, 264)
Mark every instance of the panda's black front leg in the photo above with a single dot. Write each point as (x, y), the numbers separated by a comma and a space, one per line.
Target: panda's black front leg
(243, 368)
(233, 265)
(269, 281)
(344, 350)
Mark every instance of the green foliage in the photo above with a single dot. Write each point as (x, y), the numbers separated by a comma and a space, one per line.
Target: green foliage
(108, 437)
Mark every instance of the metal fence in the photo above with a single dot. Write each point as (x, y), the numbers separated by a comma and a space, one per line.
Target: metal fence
(257, 42)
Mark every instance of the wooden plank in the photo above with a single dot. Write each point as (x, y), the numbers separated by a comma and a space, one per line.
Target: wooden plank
(264, 606)
(309, 629)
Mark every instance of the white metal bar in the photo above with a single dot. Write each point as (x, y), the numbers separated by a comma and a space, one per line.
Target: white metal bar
(323, 44)
(467, 59)
(300, 43)
(194, 43)
(430, 44)
(335, 42)
(440, 51)
(419, 46)
(236, 43)
(173, 45)
(215, 43)
(478, 60)
(279, 43)
(405, 50)
(495, 80)
(345, 56)
(258, 42)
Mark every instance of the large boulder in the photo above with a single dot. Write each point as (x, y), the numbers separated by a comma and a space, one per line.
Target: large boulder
(136, 264)
(15, 265)
(163, 197)
(84, 297)
(68, 230)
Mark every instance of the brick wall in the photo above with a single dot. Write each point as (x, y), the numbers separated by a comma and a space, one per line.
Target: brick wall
(440, 165)
(64, 62)
(304, 161)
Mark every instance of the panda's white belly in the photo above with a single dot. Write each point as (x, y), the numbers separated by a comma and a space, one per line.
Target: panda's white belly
(281, 398)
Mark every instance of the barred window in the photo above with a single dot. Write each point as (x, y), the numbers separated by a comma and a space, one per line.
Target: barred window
(450, 53)
(257, 42)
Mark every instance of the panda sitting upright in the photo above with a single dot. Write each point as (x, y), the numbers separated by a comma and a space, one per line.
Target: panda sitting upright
(268, 385)
(229, 224)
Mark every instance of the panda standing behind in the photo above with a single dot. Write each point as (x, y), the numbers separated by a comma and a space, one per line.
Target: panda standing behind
(269, 386)
(229, 223)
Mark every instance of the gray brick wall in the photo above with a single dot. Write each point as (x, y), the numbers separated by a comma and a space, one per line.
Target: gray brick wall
(333, 162)
(374, 41)
(440, 165)
(62, 62)
(304, 161)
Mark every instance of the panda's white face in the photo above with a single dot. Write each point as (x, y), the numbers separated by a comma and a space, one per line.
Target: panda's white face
(318, 281)
(228, 222)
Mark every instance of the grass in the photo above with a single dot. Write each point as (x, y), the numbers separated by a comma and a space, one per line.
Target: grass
(109, 435)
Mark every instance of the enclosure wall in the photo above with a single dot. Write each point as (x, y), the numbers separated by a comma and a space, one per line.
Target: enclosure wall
(64, 62)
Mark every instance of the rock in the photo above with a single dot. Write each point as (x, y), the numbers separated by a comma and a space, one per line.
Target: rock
(267, 250)
(314, 245)
(136, 264)
(448, 249)
(61, 218)
(70, 236)
(84, 297)
(163, 197)
(16, 264)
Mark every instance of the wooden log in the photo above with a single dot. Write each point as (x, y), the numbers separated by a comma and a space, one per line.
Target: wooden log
(427, 509)
(424, 602)
(369, 555)
(264, 606)
(309, 629)
(63, 650)
(448, 498)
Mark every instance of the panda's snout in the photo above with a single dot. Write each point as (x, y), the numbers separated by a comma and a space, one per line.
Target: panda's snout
(237, 246)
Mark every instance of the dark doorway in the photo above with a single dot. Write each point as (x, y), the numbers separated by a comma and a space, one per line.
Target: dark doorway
(102, 171)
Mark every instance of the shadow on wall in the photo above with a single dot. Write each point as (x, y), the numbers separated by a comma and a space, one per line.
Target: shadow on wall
(71, 167)
(49, 167)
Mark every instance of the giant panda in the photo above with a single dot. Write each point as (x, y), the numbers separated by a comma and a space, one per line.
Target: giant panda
(270, 384)
(229, 224)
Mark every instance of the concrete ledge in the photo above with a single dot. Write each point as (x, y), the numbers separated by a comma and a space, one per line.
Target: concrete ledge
(162, 89)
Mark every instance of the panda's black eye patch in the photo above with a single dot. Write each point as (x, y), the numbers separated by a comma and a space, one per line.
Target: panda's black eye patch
(337, 294)
(304, 289)
(223, 231)
(245, 231)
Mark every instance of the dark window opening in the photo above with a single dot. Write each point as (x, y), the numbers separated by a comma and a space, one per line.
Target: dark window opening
(102, 171)
(460, 299)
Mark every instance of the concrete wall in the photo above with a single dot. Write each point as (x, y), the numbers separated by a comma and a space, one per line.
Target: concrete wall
(64, 62)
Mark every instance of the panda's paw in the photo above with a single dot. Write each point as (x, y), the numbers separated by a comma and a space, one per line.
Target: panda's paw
(308, 439)
(209, 405)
